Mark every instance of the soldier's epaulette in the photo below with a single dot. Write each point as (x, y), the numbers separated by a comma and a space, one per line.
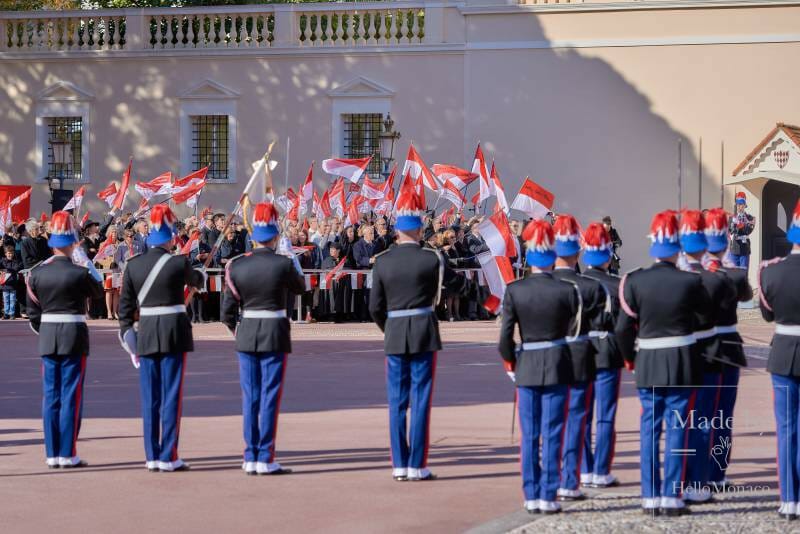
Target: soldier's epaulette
(242, 255)
(636, 270)
(439, 254)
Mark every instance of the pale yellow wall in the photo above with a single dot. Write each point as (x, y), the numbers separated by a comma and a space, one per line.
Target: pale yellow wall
(597, 123)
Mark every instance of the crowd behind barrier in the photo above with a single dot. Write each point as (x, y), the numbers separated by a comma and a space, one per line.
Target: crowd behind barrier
(319, 246)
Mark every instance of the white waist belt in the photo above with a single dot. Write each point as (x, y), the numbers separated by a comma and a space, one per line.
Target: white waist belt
(705, 334)
(787, 329)
(161, 310)
(602, 334)
(264, 314)
(669, 342)
(63, 318)
(578, 338)
(410, 312)
(538, 345)
(726, 329)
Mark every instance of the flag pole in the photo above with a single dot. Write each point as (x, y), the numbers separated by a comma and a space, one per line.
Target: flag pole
(722, 174)
(231, 215)
(288, 146)
(680, 172)
(700, 177)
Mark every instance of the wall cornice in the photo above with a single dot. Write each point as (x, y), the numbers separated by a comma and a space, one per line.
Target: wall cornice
(474, 10)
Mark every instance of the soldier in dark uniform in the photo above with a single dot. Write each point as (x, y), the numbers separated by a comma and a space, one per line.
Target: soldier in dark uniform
(582, 353)
(780, 302)
(659, 304)
(709, 367)
(260, 283)
(406, 283)
(153, 285)
(740, 226)
(596, 465)
(58, 291)
(731, 352)
(544, 308)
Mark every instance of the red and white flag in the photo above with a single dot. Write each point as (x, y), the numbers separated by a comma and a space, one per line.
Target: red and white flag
(447, 215)
(453, 194)
(498, 273)
(119, 198)
(16, 200)
(354, 211)
(189, 193)
(336, 273)
(385, 206)
(416, 167)
(76, 200)
(336, 197)
(322, 206)
(108, 194)
(142, 207)
(534, 200)
(352, 169)
(485, 181)
(287, 200)
(160, 185)
(459, 177)
(193, 243)
(307, 191)
(189, 180)
(372, 190)
(106, 249)
(498, 236)
(84, 219)
(498, 190)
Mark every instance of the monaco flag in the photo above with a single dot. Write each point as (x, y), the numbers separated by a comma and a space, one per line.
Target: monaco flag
(119, 198)
(336, 197)
(479, 168)
(498, 273)
(108, 194)
(76, 200)
(160, 185)
(352, 169)
(307, 191)
(106, 250)
(418, 170)
(453, 194)
(460, 178)
(498, 236)
(372, 190)
(335, 272)
(498, 189)
(189, 193)
(534, 200)
(385, 206)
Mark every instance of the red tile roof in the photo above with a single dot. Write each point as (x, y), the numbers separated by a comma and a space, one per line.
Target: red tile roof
(792, 131)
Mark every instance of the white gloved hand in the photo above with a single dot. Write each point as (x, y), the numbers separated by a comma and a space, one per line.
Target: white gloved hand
(135, 361)
(512, 375)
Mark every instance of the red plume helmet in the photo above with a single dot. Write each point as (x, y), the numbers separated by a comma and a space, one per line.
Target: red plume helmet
(596, 237)
(539, 236)
(265, 213)
(162, 214)
(716, 221)
(63, 230)
(692, 222)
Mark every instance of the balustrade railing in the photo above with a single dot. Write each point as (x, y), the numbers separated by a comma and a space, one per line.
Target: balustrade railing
(338, 24)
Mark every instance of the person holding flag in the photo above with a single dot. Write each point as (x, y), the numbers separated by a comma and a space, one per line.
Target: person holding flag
(546, 311)
(259, 284)
(407, 281)
(153, 289)
(58, 291)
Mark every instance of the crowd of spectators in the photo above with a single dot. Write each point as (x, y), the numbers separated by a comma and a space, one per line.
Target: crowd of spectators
(319, 246)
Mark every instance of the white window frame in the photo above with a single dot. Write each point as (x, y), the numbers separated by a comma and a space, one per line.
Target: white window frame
(54, 109)
(208, 98)
(360, 95)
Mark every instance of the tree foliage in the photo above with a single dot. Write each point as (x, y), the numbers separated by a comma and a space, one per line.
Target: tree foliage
(30, 5)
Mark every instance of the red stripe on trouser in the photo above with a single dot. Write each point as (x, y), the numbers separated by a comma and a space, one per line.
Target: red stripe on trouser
(428, 414)
(586, 404)
(777, 442)
(613, 422)
(522, 438)
(564, 428)
(386, 372)
(174, 453)
(78, 396)
(689, 408)
(277, 412)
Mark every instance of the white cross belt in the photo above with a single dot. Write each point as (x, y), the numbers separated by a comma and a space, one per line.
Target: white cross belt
(264, 314)
(63, 318)
(147, 311)
(410, 312)
(669, 342)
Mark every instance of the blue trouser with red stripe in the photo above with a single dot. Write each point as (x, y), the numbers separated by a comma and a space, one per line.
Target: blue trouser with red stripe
(62, 403)
(161, 387)
(605, 394)
(786, 392)
(409, 380)
(727, 400)
(261, 375)
(578, 401)
(706, 406)
(541, 416)
(662, 405)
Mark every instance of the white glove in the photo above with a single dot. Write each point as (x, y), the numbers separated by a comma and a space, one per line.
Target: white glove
(135, 361)
(512, 375)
